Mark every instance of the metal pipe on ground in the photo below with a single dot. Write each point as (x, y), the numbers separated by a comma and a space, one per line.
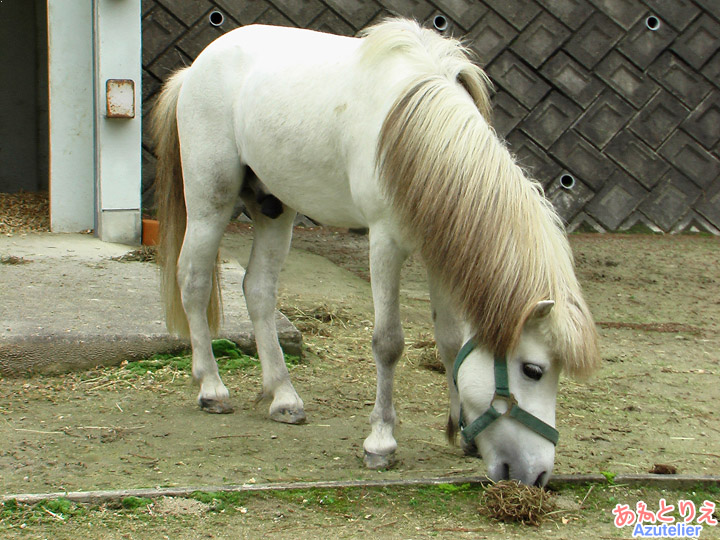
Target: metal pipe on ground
(556, 482)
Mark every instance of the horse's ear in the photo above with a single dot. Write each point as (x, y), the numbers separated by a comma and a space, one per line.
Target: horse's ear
(541, 310)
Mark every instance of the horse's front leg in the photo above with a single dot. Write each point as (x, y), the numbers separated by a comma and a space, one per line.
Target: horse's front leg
(386, 259)
(271, 244)
(449, 338)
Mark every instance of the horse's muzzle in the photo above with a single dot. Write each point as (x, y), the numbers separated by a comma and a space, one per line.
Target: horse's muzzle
(530, 476)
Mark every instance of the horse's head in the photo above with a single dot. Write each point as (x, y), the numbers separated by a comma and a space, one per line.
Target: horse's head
(507, 404)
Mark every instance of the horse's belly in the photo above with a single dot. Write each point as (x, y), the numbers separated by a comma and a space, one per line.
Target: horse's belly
(305, 172)
(324, 196)
(294, 134)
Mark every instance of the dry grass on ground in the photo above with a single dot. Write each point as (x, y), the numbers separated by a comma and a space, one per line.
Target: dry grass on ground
(24, 212)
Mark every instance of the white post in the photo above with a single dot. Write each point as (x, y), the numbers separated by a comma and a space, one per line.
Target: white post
(118, 129)
(70, 82)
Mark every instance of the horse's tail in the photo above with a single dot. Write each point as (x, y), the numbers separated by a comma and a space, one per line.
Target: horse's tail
(170, 202)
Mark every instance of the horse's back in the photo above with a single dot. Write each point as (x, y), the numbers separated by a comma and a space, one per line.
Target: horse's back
(295, 102)
(275, 64)
(279, 44)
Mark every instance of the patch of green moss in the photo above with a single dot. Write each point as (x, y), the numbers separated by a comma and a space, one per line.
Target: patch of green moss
(228, 354)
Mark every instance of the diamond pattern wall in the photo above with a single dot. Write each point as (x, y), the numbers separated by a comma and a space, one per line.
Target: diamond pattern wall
(622, 95)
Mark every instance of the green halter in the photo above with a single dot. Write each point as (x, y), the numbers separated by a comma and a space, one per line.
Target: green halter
(502, 391)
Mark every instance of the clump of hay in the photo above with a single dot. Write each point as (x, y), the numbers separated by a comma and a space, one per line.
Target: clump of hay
(424, 351)
(430, 360)
(144, 254)
(13, 261)
(313, 321)
(663, 468)
(24, 212)
(510, 501)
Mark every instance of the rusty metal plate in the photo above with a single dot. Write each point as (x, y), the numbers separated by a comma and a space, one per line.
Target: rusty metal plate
(120, 98)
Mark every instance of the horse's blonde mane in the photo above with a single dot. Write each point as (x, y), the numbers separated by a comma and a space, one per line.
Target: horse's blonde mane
(481, 225)
(431, 53)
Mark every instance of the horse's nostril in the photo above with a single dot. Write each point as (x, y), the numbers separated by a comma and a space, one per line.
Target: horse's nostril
(505, 472)
(541, 479)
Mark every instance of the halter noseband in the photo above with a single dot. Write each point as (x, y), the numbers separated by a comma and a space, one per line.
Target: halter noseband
(502, 391)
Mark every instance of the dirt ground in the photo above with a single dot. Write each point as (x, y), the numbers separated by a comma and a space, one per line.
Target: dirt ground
(654, 401)
(447, 512)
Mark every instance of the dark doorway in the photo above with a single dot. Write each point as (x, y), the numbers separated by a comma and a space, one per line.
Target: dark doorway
(23, 96)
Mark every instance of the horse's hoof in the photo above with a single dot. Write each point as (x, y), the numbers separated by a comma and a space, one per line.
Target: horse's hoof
(288, 416)
(378, 461)
(215, 406)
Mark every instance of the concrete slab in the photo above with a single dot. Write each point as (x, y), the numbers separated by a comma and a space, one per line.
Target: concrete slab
(65, 305)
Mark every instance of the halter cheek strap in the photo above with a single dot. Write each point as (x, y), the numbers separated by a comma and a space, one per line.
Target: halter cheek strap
(502, 391)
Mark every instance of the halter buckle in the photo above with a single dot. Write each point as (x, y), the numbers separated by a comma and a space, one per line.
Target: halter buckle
(509, 400)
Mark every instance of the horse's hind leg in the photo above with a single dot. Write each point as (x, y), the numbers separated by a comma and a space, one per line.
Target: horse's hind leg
(212, 185)
(271, 244)
(386, 260)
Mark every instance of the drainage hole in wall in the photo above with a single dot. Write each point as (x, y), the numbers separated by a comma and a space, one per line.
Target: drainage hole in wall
(440, 23)
(567, 181)
(216, 18)
(652, 22)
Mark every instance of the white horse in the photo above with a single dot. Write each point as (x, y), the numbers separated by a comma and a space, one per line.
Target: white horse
(389, 131)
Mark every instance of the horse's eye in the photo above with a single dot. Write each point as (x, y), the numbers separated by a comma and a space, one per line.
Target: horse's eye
(532, 371)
